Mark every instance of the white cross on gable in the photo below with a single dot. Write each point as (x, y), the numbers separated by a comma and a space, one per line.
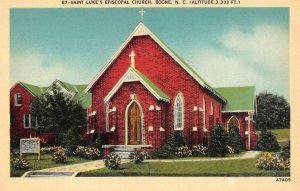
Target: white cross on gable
(132, 61)
(142, 12)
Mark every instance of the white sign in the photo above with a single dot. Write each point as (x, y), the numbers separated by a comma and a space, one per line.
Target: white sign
(31, 145)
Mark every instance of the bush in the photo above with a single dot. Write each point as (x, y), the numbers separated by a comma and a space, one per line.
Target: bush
(230, 151)
(50, 150)
(268, 161)
(147, 155)
(199, 151)
(183, 151)
(112, 161)
(99, 141)
(234, 139)
(90, 153)
(267, 142)
(165, 152)
(137, 157)
(286, 151)
(218, 142)
(59, 156)
(20, 164)
(70, 141)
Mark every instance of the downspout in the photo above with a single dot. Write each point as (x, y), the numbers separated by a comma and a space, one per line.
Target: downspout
(249, 134)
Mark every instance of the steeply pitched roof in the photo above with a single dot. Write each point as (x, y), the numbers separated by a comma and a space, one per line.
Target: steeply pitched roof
(85, 99)
(141, 30)
(238, 98)
(132, 75)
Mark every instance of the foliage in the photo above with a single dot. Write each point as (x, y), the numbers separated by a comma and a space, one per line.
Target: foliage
(199, 150)
(147, 155)
(137, 157)
(112, 161)
(57, 112)
(183, 151)
(50, 150)
(234, 139)
(20, 164)
(90, 153)
(70, 140)
(268, 161)
(286, 151)
(99, 141)
(272, 111)
(168, 150)
(230, 151)
(267, 142)
(218, 141)
(59, 156)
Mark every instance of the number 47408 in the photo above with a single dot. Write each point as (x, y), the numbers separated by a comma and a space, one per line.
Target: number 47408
(283, 179)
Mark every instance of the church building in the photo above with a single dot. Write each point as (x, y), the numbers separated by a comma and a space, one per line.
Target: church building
(146, 92)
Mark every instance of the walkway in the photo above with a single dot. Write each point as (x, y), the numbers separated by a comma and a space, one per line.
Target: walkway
(246, 155)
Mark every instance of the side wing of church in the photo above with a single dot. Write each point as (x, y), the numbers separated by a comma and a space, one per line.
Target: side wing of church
(146, 92)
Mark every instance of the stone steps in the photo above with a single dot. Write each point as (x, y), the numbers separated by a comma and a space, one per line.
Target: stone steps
(124, 151)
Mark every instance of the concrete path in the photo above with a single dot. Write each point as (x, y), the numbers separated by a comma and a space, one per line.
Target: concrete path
(246, 155)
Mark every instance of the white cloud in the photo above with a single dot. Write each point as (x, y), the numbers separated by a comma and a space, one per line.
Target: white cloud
(259, 57)
(42, 70)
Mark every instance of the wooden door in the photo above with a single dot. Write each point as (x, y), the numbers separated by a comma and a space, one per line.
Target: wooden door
(134, 125)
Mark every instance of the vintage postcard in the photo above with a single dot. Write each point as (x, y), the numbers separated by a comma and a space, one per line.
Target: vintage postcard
(149, 95)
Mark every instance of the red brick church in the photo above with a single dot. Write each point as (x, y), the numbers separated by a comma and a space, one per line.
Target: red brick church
(142, 95)
(146, 92)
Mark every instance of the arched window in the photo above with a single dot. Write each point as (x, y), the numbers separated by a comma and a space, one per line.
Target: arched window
(233, 122)
(179, 112)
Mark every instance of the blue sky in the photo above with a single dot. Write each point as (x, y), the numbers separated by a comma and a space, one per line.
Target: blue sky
(226, 46)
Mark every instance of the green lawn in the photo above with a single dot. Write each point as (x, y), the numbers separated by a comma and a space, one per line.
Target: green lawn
(242, 167)
(45, 162)
(281, 134)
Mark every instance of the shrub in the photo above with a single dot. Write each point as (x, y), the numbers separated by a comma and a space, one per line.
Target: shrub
(183, 151)
(286, 151)
(230, 151)
(90, 153)
(147, 155)
(70, 141)
(99, 141)
(59, 156)
(112, 161)
(234, 139)
(137, 157)
(268, 161)
(50, 150)
(218, 141)
(199, 151)
(165, 152)
(20, 164)
(267, 142)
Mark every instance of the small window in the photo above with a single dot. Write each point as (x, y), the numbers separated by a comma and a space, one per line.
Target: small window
(33, 121)
(27, 121)
(18, 99)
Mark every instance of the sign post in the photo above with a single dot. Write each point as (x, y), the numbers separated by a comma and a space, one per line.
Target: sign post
(31, 145)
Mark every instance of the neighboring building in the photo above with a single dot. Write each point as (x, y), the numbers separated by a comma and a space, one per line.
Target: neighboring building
(23, 94)
(146, 92)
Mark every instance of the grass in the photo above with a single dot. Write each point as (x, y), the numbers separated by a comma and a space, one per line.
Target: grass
(45, 162)
(235, 168)
(281, 134)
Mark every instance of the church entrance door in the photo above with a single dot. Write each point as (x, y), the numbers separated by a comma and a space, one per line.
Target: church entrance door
(134, 125)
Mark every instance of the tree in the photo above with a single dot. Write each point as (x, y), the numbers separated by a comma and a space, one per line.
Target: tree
(286, 151)
(57, 112)
(273, 111)
(234, 139)
(218, 142)
(267, 142)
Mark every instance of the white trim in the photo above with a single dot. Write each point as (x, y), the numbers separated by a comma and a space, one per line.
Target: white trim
(22, 86)
(227, 128)
(150, 128)
(195, 128)
(107, 117)
(16, 104)
(29, 118)
(142, 30)
(235, 111)
(195, 108)
(157, 108)
(131, 71)
(93, 113)
(151, 107)
(249, 134)
(211, 108)
(142, 122)
(161, 129)
(181, 98)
